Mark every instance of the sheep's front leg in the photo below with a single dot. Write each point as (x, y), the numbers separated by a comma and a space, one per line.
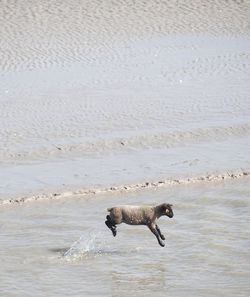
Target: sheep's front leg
(159, 232)
(111, 225)
(152, 228)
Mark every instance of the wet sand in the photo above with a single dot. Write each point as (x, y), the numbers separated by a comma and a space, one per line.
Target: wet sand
(121, 93)
(59, 33)
(157, 113)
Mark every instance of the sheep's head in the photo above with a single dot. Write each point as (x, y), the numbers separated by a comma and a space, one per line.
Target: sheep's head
(166, 209)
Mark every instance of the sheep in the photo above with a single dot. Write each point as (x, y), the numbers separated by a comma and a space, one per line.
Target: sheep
(139, 215)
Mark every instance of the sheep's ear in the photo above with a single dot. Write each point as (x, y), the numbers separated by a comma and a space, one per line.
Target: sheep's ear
(170, 205)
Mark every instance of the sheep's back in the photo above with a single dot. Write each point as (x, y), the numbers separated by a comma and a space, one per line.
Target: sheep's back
(136, 215)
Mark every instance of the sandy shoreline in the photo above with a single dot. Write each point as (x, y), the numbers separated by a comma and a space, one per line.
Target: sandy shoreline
(216, 177)
(104, 95)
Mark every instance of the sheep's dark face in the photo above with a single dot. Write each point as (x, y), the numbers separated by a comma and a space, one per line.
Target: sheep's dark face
(167, 210)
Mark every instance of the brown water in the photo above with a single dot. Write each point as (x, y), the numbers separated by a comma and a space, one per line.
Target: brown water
(206, 252)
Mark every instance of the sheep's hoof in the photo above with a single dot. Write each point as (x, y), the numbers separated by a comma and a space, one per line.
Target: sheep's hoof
(114, 232)
(161, 243)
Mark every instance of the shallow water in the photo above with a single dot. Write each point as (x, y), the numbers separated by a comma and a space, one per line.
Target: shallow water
(64, 248)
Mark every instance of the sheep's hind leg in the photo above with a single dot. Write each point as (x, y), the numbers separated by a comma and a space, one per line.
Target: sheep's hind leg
(159, 232)
(111, 225)
(154, 231)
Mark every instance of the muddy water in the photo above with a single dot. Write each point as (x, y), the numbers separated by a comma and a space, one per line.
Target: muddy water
(63, 247)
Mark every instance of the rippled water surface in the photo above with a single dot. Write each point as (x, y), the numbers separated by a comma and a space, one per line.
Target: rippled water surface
(64, 248)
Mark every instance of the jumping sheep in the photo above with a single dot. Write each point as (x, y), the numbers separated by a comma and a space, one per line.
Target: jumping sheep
(139, 215)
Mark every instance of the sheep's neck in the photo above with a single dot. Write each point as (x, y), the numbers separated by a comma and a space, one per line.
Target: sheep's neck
(158, 214)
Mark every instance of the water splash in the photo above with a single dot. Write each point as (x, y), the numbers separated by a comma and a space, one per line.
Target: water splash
(88, 245)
